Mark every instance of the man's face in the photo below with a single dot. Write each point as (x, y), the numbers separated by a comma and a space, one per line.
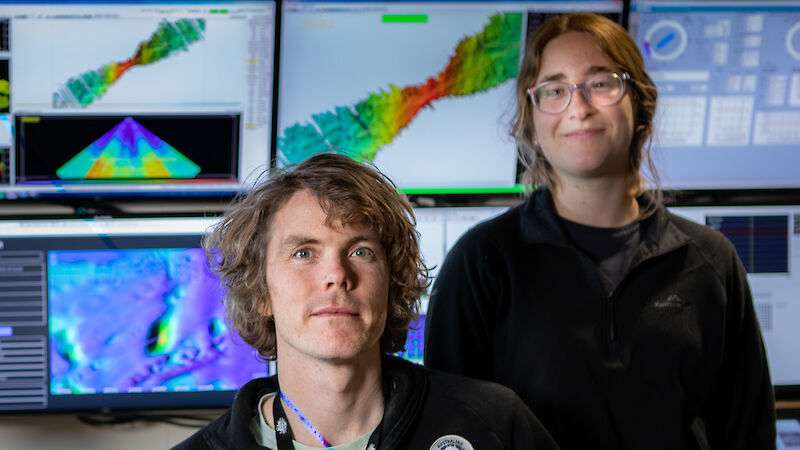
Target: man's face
(328, 285)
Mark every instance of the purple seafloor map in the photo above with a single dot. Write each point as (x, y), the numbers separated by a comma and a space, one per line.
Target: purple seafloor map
(144, 320)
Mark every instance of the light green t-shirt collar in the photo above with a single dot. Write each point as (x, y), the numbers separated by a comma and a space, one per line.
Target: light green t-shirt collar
(265, 435)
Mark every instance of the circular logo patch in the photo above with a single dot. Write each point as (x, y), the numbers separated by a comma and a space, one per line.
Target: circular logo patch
(451, 442)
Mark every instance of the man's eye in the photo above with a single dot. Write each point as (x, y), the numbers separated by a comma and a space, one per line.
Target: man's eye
(363, 252)
(302, 253)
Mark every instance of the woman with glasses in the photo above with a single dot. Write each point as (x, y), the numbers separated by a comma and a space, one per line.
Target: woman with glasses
(619, 324)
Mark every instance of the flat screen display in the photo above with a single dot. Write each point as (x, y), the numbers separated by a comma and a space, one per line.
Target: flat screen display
(134, 98)
(439, 229)
(424, 90)
(125, 314)
(114, 314)
(728, 76)
(767, 240)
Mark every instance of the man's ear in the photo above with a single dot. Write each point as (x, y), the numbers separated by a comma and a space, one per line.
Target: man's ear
(264, 307)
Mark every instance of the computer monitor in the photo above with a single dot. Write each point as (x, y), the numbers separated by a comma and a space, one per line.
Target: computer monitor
(424, 90)
(114, 314)
(788, 433)
(439, 229)
(728, 91)
(127, 98)
(767, 240)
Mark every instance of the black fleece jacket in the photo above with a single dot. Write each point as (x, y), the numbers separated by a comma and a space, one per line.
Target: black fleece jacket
(672, 359)
(423, 406)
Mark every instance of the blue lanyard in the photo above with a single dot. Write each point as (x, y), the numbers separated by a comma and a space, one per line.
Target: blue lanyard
(303, 419)
(283, 432)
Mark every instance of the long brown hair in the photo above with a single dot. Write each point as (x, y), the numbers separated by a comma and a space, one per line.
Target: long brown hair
(617, 45)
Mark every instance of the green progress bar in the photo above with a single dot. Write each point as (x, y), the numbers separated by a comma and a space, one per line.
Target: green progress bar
(516, 189)
(405, 18)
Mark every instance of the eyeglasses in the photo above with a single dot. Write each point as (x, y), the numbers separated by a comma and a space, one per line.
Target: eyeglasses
(601, 89)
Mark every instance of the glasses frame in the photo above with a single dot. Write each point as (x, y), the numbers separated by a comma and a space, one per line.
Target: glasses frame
(623, 78)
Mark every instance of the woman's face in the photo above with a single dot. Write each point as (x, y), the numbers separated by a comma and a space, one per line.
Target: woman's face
(584, 141)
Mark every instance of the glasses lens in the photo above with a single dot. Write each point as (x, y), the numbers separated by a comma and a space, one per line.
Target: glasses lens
(604, 88)
(552, 96)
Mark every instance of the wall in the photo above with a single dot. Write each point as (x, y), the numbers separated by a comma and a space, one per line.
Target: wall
(67, 432)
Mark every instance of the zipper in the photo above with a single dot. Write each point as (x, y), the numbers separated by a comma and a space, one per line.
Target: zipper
(611, 338)
(611, 356)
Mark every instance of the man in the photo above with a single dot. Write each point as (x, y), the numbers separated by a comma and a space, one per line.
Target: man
(323, 274)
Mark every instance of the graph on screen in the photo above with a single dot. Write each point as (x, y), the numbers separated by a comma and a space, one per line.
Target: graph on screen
(767, 240)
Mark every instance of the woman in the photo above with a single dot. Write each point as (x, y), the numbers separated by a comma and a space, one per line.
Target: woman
(619, 324)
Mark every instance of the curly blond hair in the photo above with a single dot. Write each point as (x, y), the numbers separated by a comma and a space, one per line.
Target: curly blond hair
(349, 192)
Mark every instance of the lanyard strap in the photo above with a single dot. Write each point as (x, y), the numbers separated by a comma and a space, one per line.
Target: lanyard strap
(283, 432)
(303, 419)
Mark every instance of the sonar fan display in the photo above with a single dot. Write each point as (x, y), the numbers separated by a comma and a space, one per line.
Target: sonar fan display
(128, 151)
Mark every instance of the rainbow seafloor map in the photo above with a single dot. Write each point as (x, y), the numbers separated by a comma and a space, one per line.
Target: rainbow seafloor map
(170, 37)
(479, 63)
(128, 150)
(5, 91)
(149, 320)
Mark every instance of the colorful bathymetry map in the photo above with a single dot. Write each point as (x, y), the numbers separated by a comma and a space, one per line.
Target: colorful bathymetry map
(3, 165)
(170, 37)
(5, 91)
(142, 320)
(128, 151)
(479, 63)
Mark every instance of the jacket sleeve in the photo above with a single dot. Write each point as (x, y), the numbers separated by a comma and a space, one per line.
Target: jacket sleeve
(460, 319)
(528, 432)
(741, 410)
